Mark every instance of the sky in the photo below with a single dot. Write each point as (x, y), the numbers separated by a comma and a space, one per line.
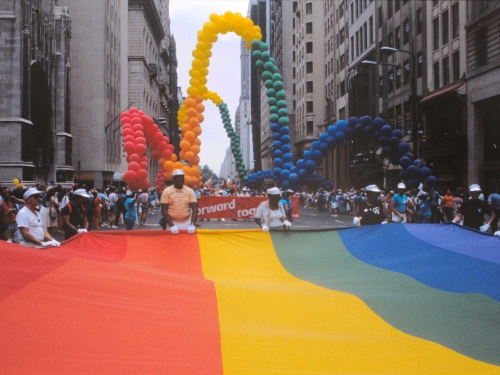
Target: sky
(186, 19)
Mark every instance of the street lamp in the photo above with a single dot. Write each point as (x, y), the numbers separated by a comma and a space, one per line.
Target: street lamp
(414, 130)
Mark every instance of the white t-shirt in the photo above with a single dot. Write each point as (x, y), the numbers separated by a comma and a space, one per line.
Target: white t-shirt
(27, 219)
(272, 218)
(112, 198)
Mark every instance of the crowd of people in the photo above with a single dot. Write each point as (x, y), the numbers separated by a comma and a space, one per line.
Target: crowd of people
(423, 205)
(34, 216)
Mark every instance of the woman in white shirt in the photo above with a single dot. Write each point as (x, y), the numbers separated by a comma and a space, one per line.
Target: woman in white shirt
(271, 214)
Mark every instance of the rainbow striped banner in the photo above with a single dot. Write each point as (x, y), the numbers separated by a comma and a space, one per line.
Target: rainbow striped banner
(389, 299)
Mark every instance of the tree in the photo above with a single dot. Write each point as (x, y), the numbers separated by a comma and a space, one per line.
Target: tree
(207, 173)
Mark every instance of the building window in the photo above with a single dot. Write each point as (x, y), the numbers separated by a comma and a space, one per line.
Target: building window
(293, 39)
(446, 71)
(380, 16)
(309, 87)
(436, 76)
(293, 72)
(381, 87)
(310, 106)
(436, 33)
(309, 28)
(352, 48)
(456, 66)
(481, 47)
(294, 6)
(391, 80)
(342, 61)
(399, 73)
(389, 9)
(293, 23)
(399, 118)
(309, 67)
(456, 21)
(419, 21)
(446, 30)
(342, 35)
(398, 38)
(309, 47)
(342, 88)
(371, 29)
(406, 66)
(406, 31)
(366, 36)
(435, 2)
(310, 128)
(352, 12)
(391, 40)
(419, 64)
(309, 8)
(397, 6)
(361, 43)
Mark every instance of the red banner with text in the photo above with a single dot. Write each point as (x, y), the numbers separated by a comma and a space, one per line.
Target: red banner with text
(231, 207)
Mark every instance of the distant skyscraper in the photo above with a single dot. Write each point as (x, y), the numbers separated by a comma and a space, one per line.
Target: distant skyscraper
(243, 118)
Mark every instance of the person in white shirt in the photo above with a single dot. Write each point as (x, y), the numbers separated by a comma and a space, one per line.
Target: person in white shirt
(30, 224)
(270, 213)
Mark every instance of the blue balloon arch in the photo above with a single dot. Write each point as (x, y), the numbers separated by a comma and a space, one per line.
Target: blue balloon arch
(288, 174)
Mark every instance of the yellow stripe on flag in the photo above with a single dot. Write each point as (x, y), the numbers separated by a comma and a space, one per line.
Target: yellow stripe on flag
(274, 323)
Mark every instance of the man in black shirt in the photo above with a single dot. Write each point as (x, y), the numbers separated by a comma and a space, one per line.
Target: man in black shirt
(371, 211)
(73, 214)
(472, 211)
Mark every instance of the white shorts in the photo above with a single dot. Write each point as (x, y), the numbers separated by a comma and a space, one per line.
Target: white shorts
(396, 219)
(184, 225)
(334, 205)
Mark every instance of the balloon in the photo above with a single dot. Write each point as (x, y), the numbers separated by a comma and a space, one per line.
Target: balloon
(342, 125)
(310, 165)
(134, 157)
(16, 182)
(129, 147)
(287, 157)
(405, 162)
(403, 148)
(275, 127)
(144, 165)
(424, 173)
(140, 149)
(142, 174)
(185, 145)
(386, 130)
(413, 171)
(431, 181)
(129, 176)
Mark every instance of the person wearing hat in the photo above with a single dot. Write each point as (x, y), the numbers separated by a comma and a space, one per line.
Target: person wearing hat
(270, 213)
(179, 206)
(371, 211)
(399, 205)
(130, 209)
(423, 206)
(472, 211)
(73, 214)
(33, 233)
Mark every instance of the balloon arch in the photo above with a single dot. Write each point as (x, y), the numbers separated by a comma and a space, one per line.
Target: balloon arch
(139, 130)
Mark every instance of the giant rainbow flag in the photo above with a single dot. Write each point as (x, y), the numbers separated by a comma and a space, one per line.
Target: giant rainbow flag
(389, 299)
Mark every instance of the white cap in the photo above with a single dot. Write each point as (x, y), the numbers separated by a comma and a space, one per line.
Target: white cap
(82, 193)
(178, 172)
(129, 193)
(245, 189)
(474, 187)
(30, 192)
(289, 191)
(373, 189)
(401, 186)
(273, 191)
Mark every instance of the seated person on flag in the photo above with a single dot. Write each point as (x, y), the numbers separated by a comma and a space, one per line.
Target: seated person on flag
(270, 213)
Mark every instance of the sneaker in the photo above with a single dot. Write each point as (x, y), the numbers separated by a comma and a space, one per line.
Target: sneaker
(9, 240)
(114, 227)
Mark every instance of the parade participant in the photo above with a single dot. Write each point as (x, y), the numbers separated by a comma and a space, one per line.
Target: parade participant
(447, 206)
(270, 213)
(113, 208)
(399, 205)
(29, 223)
(472, 211)
(494, 202)
(423, 206)
(130, 209)
(73, 214)
(179, 206)
(143, 201)
(371, 211)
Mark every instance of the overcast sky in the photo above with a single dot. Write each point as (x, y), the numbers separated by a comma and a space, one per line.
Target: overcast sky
(186, 19)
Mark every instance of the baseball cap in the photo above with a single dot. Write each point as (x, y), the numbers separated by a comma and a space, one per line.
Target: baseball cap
(30, 192)
(178, 172)
(401, 186)
(474, 187)
(373, 189)
(82, 193)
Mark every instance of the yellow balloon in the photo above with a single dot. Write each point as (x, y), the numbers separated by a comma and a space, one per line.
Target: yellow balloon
(196, 64)
(257, 36)
(205, 62)
(203, 89)
(209, 45)
(208, 28)
(204, 72)
(208, 54)
(202, 37)
(214, 18)
(213, 38)
(247, 36)
(256, 29)
(203, 80)
(202, 46)
(195, 73)
(193, 91)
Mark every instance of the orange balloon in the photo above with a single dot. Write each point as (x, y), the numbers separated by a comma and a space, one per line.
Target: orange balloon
(185, 145)
(199, 99)
(200, 117)
(189, 136)
(188, 181)
(196, 142)
(186, 128)
(196, 160)
(161, 161)
(197, 130)
(173, 158)
(168, 176)
(186, 170)
(200, 184)
(178, 165)
(193, 121)
(168, 165)
(191, 112)
(195, 149)
(182, 155)
(190, 103)
(189, 155)
(200, 108)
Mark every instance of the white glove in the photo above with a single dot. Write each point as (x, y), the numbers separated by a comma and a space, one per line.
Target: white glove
(497, 233)
(356, 221)
(265, 228)
(47, 244)
(287, 224)
(55, 243)
(484, 228)
(174, 230)
(81, 231)
(191, 229)
(383, 222)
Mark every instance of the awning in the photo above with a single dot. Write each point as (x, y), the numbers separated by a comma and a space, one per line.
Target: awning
(118, 176)
(458, 86)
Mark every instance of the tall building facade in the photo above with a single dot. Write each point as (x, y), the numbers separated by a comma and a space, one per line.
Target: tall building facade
(309, 75)
(483, 93)
(35, 67)
(243, 118)
(227, 168)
